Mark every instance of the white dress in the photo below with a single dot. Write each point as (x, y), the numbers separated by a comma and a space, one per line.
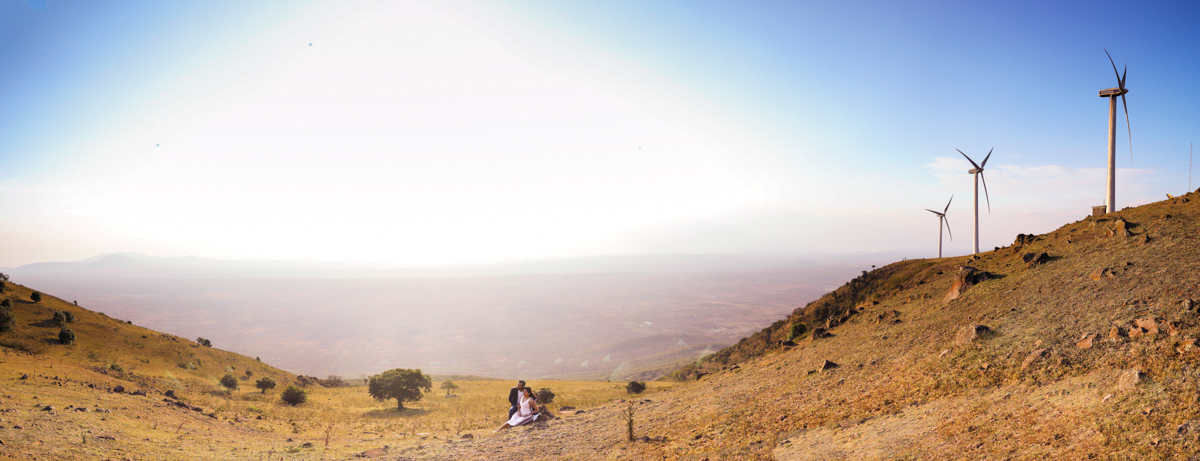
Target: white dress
(523, 415)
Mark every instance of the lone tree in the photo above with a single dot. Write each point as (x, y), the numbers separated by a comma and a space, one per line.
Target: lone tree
(36, 297)
(294, 395)
(402, 384)
(66, 336)
(635, 387)
(8, 322)
(448, 385)
(265, 383)
(230, 382)
(203, 342)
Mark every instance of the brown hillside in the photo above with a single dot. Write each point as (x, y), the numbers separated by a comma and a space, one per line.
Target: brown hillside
(1090, 353)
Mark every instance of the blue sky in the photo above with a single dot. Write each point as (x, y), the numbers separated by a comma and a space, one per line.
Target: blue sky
(438, 132)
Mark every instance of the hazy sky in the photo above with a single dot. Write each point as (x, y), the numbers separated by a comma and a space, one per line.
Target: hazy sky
(454, 131)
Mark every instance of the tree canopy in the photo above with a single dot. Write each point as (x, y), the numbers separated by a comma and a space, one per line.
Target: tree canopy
(265, 383)
(402, 384)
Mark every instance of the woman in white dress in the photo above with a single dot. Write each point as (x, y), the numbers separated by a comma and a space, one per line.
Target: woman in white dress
(527, 413)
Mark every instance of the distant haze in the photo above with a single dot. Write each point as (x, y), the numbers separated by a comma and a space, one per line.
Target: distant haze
(599, 318)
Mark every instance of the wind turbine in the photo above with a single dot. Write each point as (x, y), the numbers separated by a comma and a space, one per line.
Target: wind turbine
(942, 219)
(978, 172)
(1110, 198)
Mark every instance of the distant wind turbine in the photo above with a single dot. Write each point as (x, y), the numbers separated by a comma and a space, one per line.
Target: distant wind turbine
(942, 219)
(978, 172)
(1110, 199)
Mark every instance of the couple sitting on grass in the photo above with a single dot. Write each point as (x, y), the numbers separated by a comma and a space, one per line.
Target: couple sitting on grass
(523, 408)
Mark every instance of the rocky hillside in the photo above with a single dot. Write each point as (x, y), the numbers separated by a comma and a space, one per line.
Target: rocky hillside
(1076, 344)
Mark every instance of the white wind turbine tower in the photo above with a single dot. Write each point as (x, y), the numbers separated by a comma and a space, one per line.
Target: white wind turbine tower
(942, 219)
(1110, 198)
(978, 172)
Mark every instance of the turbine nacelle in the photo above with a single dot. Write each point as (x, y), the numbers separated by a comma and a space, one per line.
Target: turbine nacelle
(975, 170)
(1111, 92)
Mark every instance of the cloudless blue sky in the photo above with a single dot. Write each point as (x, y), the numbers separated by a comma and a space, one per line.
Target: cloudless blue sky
(468, 130)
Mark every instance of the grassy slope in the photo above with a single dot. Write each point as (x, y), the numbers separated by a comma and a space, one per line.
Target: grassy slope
(907, 390)
(228, 426)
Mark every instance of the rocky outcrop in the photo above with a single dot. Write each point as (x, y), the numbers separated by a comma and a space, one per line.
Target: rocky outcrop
(970, 333)
(1033, 259)
(964, 279)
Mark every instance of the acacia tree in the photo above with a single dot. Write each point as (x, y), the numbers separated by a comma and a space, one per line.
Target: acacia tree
(265, 383)
(402, 384)
(229, 382)
(449, 385)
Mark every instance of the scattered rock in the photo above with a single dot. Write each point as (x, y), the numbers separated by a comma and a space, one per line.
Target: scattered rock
(1033, 356)
(970, 333)
(818, 333)
(579, 412)
(1185, 345)
(170, 393)
(1187, 305)
(963, 280)
(787, 343)
(1173, 329)
(1032, 259)
(138, 392)
(81, 409)
(1129, 379)
(307, 445)
(119, 389)
(566, 408)
(25, 376)
(372, 453)
(48, 408)
(1100, 273)
(1148, 324)
(643, 439)
(1085, 341)
(829, 365)
(1135, 333)
(259, 417)
(467, 436)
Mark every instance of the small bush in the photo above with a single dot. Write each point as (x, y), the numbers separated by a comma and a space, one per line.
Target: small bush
(265, 383)
(70, 316)
(545, 396)
(635, 387)
(798, 330)
(294, 395)
(333, 381)
(66, 336)
(249, 373)
(3, 286)
(36, 297)
(229, 382)
(203, 342)
(8, 321)
(60, 318)
(116, 367)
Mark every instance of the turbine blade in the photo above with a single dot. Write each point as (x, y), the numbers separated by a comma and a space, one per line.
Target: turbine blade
(1120, 84)
(1127, 129)
(1123, 71)
(934, 212)
(985, 159)
(947, 221)
(948, 204)
(985, 193)
(968, 159)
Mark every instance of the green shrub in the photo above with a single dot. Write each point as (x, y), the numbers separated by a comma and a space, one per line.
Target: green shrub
(66, 336)
(635, 387)
(798, 330)
(8, 321)
(59, 318)
(203, 342)
(294, 395)
(116, 367)
(265, 383)
(229, 382)
(36, 297)
(70, 316)
(545, 396)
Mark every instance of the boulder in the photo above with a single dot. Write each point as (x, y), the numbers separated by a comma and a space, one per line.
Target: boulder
(372, 453)
(1100, 273)
(1148, 324)
(1033, 356)
(170, 393)
(818, 333)
(467, 436)
(1187, 304)
(1033, 259)
(1129, 379)
(829, 365)
(119, 389)
(643, 438)
(1024, 239)
(964, 278)
(1186, 345)
(138, 392)
(48, 408)
(24, 376)
(307, 445)
(1085, 341)
(970, 333)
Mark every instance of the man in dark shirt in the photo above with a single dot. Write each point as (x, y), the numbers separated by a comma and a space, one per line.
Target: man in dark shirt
(513, 395)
